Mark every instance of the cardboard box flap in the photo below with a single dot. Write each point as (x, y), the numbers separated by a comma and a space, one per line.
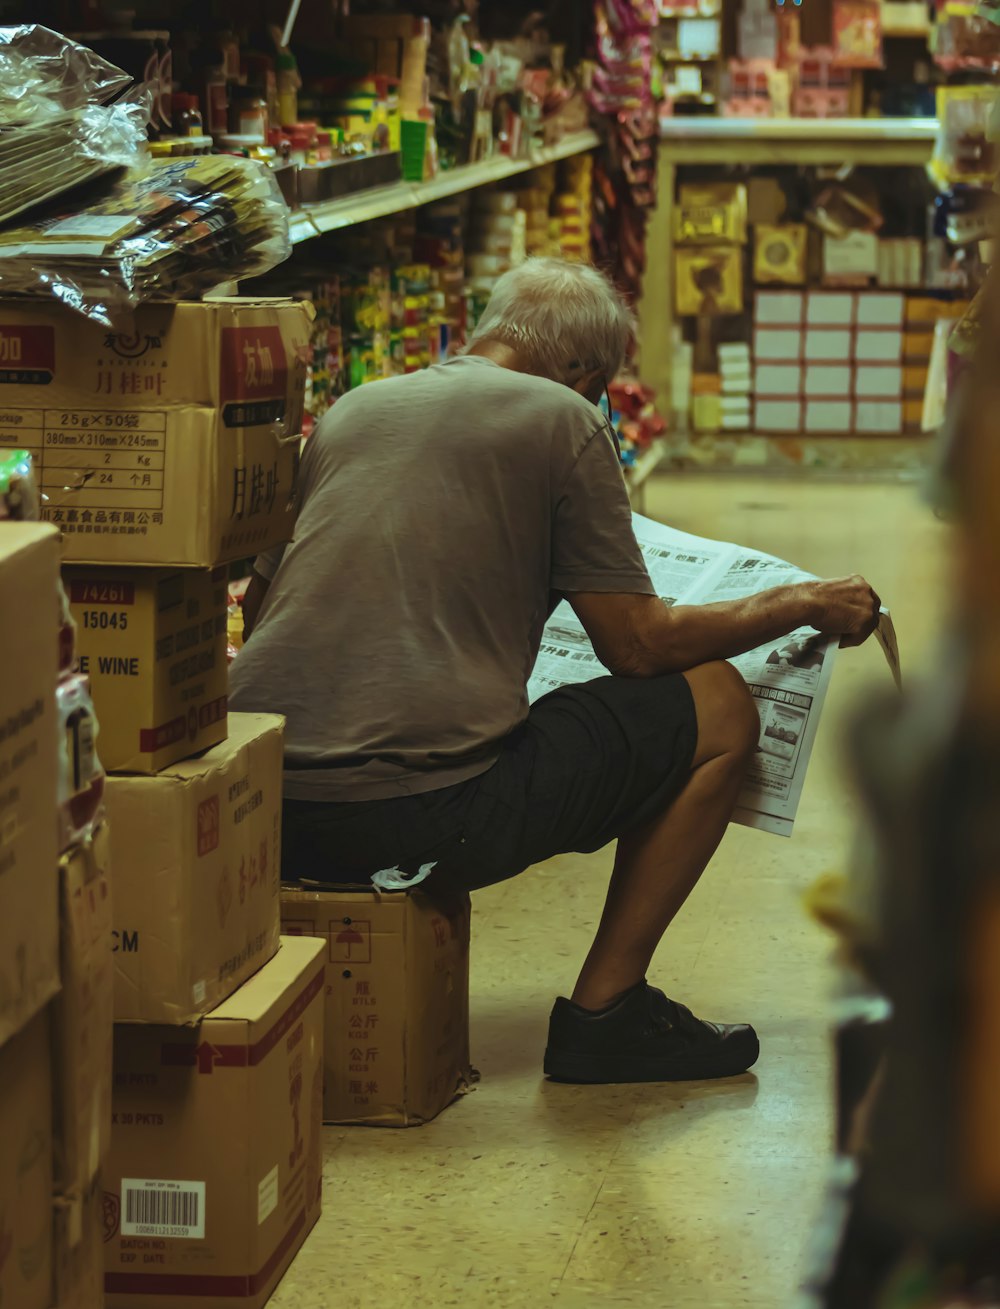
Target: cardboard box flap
(264, 998)
(18, 537)
(243, 728)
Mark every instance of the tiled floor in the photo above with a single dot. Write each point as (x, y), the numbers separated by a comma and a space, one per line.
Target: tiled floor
(529, 1194)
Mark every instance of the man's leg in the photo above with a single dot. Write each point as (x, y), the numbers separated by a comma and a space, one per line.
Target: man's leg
(658, 864)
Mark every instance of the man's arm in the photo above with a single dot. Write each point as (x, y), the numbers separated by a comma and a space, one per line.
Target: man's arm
(640, 636)
(252, 601)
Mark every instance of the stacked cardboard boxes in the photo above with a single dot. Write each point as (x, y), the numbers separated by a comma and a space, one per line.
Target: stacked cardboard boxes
(164, 454)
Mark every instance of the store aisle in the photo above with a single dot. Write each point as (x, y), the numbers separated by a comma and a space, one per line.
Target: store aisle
(528, 1193)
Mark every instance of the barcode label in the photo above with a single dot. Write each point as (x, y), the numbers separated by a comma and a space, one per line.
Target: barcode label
(163, 1208)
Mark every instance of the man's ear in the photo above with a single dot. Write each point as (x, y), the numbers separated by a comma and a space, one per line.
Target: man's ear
(590, 386)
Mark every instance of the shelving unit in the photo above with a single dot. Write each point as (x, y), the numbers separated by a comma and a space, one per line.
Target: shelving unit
(639, 474)
(887, 142)
(363, 206)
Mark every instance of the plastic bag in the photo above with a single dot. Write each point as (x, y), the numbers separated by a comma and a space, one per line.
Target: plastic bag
(173, 232)
(43, 74)
(41, 161)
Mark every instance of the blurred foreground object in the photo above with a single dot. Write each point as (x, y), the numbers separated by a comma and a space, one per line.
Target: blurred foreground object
(914, 1212)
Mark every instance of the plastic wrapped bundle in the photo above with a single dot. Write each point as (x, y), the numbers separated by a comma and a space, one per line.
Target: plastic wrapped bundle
(172, 232)
(54, 131)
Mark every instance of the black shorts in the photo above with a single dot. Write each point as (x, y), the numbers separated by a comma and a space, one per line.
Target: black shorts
(590, 762)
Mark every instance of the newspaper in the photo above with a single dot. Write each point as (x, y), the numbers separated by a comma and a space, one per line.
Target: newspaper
(788, 678)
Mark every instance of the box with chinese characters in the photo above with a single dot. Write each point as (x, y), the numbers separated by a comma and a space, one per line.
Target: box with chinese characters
(397, 1000)
(175, 442)
(195, 856)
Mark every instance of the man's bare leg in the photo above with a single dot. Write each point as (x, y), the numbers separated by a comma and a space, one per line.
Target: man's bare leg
(658, 864)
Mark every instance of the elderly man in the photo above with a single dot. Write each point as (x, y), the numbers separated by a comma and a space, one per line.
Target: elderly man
(441, 517)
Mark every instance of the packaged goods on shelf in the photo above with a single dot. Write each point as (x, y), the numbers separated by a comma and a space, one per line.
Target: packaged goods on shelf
(153, 644)
(237, 1103)
(26, 1088)
(29, 753)
(196, 857)
(173, 231)
(709, 280)
(396, 1046)
(173, 443)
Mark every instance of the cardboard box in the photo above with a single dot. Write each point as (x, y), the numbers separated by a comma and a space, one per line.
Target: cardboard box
(879, 417)
(915, 381)
(153, 643)
(778, 379)
(835, 417)
(881, 309)
(917, 347)
(778, 308)
(83, 1017)
(82, 1021)
(778, 416)
(777, 344)
(29, 848)
(709, 279)
(196, 854)
(828, 380)
(883, 345)
(830, 308)
(173, 443)
(851, 258)
(26, 1167)
(828, 345)
(216, 1160)
(878, 381)
(397, 1001)
(78, 1249)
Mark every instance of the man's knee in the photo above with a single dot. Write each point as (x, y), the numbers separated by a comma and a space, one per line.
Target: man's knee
(728, 722)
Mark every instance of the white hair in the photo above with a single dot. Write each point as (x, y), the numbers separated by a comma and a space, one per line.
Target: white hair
(564, 319)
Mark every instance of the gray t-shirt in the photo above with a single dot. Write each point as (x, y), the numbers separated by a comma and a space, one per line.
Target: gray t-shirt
(438, 512)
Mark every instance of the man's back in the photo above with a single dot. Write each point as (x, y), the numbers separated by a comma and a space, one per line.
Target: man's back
(439, 510)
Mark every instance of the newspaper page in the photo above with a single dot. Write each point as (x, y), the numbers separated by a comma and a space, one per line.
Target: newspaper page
(788, 678)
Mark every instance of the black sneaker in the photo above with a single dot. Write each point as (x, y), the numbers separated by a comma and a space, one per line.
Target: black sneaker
(644, 1037)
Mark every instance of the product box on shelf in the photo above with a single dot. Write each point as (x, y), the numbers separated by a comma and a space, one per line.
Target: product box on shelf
(214, 1179)
(83, 1024)
(878, 381)
(852, 258)
(778, 345)
(195, 856)
(26, 1166)
(828, 345)
(172, 443)
(882, 345)
(830, 308)
(153, 643)
(778, 379)
(29, 854)
(397, 1000)
(779, 416)
(828, 380)
(829, 417)
(879, 417)
(779, 308)
(881, 309)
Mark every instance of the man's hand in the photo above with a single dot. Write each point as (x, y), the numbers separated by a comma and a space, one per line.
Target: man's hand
(846, 607)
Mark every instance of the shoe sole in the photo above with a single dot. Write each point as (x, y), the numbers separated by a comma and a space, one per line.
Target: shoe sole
(566, 1066)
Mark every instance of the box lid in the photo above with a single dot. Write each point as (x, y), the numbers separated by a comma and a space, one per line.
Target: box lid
(266, 997)
(18, 537)
(243, 728)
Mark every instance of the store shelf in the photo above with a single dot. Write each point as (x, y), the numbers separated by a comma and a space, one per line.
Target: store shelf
(378, 201)
(905, 18)
(643, 468)
(888, 141)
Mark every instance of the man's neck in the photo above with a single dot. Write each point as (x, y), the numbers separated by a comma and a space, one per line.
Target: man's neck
(504, 355)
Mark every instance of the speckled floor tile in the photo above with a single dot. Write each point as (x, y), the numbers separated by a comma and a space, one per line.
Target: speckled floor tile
(695, 1196)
